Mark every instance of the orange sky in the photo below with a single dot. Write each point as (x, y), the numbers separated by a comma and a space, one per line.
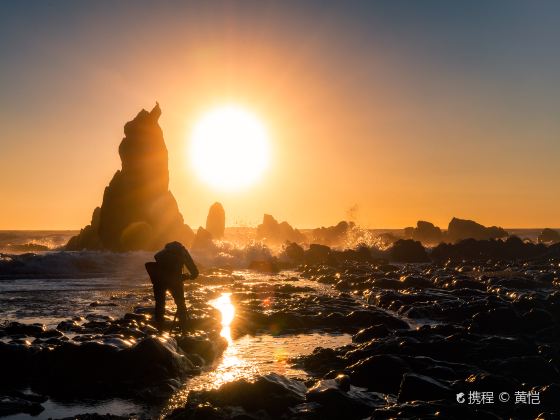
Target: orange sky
(356, 120)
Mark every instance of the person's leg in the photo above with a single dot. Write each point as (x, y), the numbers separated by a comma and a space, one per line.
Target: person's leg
(159, 296)
(178, 294)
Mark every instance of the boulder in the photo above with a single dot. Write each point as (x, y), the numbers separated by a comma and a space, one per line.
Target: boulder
(459, 229)
(138, 210)
(216, 221)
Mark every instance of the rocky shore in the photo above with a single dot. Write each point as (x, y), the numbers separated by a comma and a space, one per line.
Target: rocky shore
(101, 357)
(423, 335)
(428, 338)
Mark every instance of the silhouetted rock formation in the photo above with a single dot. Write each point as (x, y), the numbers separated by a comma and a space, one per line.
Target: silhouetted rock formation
(549, 236)
(216, 221)
(202, 240)
(467, 229)
(332, 235)
(424, 232)
(138, 210)
(407, 250)
(272, 231)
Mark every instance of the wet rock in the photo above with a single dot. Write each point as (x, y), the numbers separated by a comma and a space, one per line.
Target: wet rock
(208, 349)
(382, 373)
(367, 334)
(415, 281)
(272, 393)
(419, 387)
(138, 211)
(216, 221)
(407, 250)
(336, 402)
(362, 318)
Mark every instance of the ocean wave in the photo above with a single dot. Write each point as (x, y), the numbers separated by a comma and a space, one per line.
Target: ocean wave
(62, 264)
(79, 264)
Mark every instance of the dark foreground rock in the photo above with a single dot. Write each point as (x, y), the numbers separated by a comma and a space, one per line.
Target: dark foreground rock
(490, 326)
(274, 396)
(99, 357)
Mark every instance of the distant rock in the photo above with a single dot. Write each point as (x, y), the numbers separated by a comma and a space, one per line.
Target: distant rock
(460, 229)
(138, 210)
(408, 232)
(272, 231)
(549, 236)
(202, 240)
(216, 221)
(426, 233)
(332, 235)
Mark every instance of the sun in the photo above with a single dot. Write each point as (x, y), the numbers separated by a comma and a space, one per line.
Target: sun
(230, 148)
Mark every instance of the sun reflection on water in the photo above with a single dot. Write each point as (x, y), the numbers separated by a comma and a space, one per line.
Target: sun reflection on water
(226, 308)
(250, 356)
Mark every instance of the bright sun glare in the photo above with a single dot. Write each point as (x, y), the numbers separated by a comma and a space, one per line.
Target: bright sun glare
(229, 148)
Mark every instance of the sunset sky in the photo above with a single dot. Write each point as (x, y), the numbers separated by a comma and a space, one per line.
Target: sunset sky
(398, 110)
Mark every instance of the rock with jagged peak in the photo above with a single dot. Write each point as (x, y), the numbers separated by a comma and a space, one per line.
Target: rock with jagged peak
(426, 233)
(273, 232)
(138, 210)
(216, 221)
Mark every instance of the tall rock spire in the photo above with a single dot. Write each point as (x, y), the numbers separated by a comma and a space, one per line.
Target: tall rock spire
(138, 210)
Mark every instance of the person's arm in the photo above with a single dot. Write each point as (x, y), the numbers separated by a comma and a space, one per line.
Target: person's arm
(188, 261)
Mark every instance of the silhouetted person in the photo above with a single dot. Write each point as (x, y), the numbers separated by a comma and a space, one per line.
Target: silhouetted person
(167, 274)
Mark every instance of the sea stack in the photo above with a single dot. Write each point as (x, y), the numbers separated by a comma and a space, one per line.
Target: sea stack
(138, 210)
(216, 221)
